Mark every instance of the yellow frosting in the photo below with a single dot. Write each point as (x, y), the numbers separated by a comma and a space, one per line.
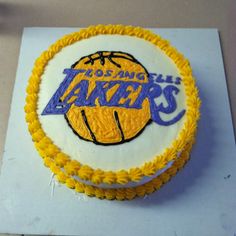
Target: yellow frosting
(128, 193)
(65, 168)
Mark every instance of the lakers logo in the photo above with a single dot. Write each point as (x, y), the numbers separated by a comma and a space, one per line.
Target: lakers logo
(109, 98)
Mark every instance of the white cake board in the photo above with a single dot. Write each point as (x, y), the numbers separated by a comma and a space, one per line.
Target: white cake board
(200, 200)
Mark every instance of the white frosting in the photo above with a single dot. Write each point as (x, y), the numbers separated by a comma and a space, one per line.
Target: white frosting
(153, 140)
(131, 184)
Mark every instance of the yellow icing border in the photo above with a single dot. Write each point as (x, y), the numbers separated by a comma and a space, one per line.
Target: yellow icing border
(127, 193)
(57, 161)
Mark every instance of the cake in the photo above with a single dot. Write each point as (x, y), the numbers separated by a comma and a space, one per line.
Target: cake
(113, 111)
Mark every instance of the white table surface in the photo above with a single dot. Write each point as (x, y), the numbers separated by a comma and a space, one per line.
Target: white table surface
(200, 200)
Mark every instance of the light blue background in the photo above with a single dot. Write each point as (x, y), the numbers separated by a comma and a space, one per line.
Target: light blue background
(200, 200)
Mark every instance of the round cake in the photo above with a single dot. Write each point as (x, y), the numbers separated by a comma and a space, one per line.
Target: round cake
(112, 110)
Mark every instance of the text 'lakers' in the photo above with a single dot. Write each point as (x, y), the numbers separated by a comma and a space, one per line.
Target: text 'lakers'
(161, 92)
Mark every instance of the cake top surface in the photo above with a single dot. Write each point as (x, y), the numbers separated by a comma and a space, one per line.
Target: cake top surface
(114, 102)
(133, 149)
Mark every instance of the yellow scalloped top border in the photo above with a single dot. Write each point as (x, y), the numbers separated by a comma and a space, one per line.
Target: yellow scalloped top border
(57, 161)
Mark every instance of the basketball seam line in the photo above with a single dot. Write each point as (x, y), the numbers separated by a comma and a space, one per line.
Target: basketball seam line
(114, 56)
(87, 124)
(119, 125)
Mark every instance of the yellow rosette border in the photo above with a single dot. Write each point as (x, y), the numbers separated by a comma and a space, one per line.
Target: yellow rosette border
(65, 168)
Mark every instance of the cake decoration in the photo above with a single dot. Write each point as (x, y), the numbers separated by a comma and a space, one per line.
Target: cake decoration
(123, 104)
(108, 94)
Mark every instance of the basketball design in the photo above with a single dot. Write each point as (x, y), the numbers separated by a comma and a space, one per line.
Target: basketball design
(90, 99)
(109, 124)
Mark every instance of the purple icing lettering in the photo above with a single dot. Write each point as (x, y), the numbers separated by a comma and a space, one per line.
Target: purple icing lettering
(99, 73)
(140, 76)
(168, 92)
(88, 73)
(99, 93)
(55, 106)
(123, 92)
(177, 80)
(150, 90)
(151, 77)
(108, 73)
(120, 74)
(79, 91)
(159, 79)
(169, 79)
(129, 75)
